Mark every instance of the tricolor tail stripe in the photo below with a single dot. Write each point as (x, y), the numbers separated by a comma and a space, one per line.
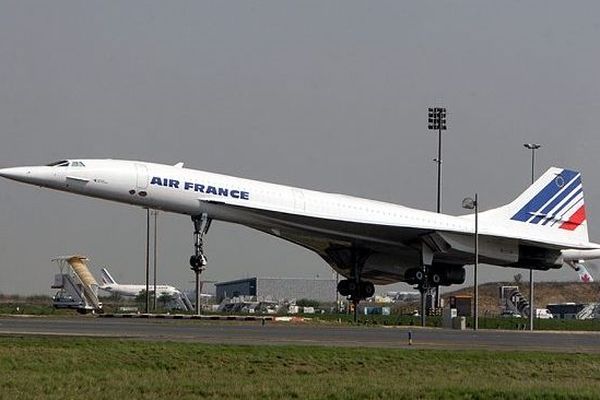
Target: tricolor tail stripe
(570, 210)
(557, 199)
(569, 189)
(563, 207)
(576, 219)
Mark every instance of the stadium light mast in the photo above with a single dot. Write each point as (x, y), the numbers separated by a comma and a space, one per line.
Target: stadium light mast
(473, 204)
(436, 121)
(533, 147)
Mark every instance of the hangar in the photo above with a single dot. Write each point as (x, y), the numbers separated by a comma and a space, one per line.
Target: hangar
(278, 288)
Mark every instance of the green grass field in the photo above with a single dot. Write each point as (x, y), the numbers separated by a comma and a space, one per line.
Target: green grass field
(63, 368)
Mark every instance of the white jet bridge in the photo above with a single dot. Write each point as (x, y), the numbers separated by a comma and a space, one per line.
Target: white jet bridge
(78, 287)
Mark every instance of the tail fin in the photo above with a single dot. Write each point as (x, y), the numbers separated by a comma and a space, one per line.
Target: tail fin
(107, 277)
(581, 269)
(583, 273)
(553, 205)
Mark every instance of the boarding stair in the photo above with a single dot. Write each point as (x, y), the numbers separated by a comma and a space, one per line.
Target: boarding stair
(514, 302)
(590, 311)
(78, 287)
(185, 302)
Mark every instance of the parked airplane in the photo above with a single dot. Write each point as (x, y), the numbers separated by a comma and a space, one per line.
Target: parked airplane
(109, 284)
(367, 241)
(131, 290)
(178, 299)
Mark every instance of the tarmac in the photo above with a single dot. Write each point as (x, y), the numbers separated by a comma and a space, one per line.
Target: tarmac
(281, 333)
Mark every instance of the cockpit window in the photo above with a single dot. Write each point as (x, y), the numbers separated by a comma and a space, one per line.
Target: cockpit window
(77, 164)
(62, 163)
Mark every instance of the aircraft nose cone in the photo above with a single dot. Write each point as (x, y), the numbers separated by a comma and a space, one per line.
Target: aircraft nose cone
(16, 173)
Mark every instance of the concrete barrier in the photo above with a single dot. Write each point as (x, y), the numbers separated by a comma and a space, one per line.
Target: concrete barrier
(190, 317)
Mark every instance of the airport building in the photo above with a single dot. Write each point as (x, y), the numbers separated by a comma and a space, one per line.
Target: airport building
(279, 289)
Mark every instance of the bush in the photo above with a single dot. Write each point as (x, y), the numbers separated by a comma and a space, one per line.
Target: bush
(307, 303)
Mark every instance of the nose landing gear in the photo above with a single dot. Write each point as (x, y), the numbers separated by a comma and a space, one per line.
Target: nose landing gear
(199, 261)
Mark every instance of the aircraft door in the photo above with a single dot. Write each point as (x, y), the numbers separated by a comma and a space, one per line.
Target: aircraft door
(142, 176)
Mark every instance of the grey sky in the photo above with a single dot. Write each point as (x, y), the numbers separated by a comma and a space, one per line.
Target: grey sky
(327, 95)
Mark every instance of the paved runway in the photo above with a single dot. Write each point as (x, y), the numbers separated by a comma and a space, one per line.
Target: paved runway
(276, 333)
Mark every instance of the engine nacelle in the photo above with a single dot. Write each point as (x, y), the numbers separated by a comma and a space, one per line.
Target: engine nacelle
(389, 268)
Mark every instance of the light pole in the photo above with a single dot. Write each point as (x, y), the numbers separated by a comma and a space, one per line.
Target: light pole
(199, 286)
(155, 212)
(436, 121)
(147, 260)
(471, 204)
(337, 294)
(533, 147)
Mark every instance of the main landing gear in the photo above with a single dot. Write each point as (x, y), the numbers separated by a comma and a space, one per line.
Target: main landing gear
(425, 279)
(424, 287)
(356, 289)
(198, 261)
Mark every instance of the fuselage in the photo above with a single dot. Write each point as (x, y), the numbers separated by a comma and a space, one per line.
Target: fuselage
(135, 290)
(187, 191)
(396, 236)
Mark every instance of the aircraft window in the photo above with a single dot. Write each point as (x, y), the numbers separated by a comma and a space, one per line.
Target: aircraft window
(77, 164)
(62, 163)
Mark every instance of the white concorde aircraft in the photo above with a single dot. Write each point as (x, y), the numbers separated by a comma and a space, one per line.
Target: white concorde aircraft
(366, 241)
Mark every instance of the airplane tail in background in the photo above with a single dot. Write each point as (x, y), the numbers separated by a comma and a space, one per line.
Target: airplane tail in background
(583, 273)
(107, 278)
(552, 206)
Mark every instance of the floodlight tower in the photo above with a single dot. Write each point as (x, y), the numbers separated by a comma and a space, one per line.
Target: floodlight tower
(437, 122)
(533, 147)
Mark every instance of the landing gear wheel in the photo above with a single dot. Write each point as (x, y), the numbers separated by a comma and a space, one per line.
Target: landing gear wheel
(343, 288)
(367, 289)
(359, 291)
(420, 276)
(352, 288)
